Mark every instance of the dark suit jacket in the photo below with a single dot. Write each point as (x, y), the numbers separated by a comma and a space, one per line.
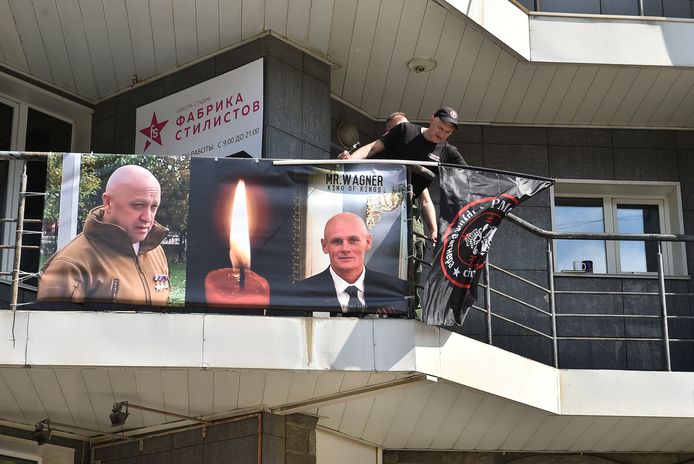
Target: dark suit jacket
(383, 293)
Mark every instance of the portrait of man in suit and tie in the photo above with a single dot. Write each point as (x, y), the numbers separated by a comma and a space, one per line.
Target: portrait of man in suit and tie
(347, 285)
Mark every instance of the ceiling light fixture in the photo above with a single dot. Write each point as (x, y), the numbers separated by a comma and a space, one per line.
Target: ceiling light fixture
(42, 432)
(421, 64)
(347, 134)
(118, 416)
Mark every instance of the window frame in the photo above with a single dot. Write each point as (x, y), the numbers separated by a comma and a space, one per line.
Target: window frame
(663, 218)
(22, 96)
(14, 130)
(666, 195)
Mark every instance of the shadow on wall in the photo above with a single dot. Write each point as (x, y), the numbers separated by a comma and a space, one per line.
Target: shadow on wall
(381, 345)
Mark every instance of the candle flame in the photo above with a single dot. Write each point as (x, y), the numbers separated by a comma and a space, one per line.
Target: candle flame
(239, 241)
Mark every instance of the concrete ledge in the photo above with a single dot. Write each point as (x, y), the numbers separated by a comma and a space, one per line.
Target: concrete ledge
(82, 339)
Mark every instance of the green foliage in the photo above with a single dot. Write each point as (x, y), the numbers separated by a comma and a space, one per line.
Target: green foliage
(177, 277)
(89, 184)
(51, 207)
(173, 173)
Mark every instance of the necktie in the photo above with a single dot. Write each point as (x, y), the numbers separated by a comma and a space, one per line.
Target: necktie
(353, 304)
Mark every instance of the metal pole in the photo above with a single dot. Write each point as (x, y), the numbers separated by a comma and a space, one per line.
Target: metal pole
(18, 238)
(488, 300)
(641, 12)
(412, 306)
(663, 307)
(552, 303)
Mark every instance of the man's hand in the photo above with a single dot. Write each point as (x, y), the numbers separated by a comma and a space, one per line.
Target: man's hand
(344, 155)
(368, 150)
(433, 235)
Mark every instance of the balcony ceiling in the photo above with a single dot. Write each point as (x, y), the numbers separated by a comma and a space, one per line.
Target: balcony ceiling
(398, 384)
(418, 416)
(94, 50)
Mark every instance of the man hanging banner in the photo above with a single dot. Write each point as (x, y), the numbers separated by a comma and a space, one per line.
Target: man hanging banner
(473, 203)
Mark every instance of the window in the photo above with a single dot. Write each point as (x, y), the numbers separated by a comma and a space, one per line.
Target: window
(638, 219)
(6, 112)
(33, 119)
(666, 8)
(529, 4)
(618, 207)
(580, 215)
(38, 122)
(571, 6)
(619, 7)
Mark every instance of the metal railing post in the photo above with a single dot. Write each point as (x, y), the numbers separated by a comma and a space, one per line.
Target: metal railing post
(552, 303)
(18, 238)
(412, 255)
(663, 306)
(488, 300)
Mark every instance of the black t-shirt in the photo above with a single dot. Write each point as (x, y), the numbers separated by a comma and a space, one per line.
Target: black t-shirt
(406, 142)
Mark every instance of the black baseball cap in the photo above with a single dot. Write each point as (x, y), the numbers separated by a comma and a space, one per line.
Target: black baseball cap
(448, 114)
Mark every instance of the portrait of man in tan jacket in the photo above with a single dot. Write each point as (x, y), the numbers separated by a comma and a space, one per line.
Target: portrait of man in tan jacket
(118, 257)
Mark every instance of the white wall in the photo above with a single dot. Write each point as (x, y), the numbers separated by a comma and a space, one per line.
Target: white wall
(336, 449)
(611, 40)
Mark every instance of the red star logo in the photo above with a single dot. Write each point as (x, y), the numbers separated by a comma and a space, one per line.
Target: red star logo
(153, 132)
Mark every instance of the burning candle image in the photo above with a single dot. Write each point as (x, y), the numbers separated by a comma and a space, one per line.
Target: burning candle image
(238, 285)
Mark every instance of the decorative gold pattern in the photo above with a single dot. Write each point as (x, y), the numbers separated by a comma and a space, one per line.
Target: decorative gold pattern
(376, 205)
(298, 238)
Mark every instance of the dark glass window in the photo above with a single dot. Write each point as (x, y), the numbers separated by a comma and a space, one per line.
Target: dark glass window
(529, 4)
(5, 126)
(6, 113)
(4, 166)
(666, 8)
(638, 219)
(653, 7)
(580, 215)
(620, 7)
(677, 8)
(571, 6)
(44, 133)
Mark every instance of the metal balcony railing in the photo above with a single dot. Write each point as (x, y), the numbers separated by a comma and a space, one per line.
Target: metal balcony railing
(550, 294)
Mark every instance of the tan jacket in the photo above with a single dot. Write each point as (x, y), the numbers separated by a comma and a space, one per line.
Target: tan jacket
(100, 264)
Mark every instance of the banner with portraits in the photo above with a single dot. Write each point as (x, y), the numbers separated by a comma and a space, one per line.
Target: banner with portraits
(232, 235)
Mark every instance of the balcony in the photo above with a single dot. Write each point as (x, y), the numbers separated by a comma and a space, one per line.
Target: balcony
(524, 373)
(574, 320)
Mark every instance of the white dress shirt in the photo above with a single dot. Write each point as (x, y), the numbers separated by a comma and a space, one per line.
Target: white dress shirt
(341, 285)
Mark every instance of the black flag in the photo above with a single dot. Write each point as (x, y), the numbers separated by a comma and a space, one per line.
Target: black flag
(473, 203)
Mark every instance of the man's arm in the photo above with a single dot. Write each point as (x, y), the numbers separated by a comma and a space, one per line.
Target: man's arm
(61, 280)
(365, 151)
(428, 213)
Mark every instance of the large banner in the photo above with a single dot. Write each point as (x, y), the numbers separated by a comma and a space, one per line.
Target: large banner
(219, 117)
(473, 203)
(230, 234)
